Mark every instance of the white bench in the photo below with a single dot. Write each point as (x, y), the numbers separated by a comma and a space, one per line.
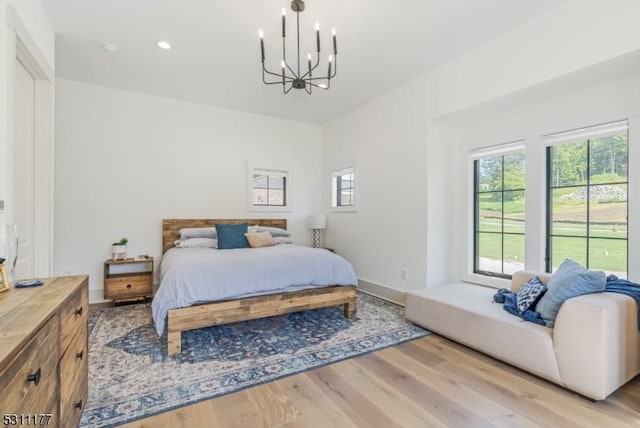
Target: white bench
(593, 349)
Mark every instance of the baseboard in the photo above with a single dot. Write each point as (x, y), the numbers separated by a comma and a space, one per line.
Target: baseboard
(105, 304)
(96, 296)
(386, 293)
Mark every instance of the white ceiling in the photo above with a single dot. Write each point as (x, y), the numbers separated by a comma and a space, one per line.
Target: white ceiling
(215, 56)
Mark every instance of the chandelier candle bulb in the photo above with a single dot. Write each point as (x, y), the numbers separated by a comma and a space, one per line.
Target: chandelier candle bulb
(329, 73)
(335, 45)
(284, 24)
(261, 34)
(318, 36)
(309, 62)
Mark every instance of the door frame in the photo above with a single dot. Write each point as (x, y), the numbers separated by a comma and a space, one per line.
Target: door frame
(21, 46)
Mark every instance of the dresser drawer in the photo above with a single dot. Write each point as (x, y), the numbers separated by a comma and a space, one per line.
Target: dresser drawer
(128, 286)
(29, 384)
(73, 315)
(73, 379)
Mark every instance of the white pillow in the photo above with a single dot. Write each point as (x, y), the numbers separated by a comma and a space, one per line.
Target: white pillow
(198, 232)
(196, 242)
(282, 240)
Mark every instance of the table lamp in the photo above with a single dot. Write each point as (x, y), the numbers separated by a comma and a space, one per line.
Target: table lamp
(317, 223)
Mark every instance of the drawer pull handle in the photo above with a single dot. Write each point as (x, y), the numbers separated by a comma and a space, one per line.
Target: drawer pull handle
(80, 354)
(35, 377)
(78, 405)
(128, 285)
(79, 311)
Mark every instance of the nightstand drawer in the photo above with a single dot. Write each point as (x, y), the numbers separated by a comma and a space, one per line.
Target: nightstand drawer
(29, 383)
(128, 286)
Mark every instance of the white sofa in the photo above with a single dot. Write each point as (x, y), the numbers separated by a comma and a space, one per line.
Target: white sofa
(593, 349)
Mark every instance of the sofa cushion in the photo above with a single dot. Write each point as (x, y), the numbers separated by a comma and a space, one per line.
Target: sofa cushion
(569, 280)
(465, 313)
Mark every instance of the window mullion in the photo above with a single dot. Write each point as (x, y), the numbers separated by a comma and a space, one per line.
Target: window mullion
(502, 219)
(588, 193)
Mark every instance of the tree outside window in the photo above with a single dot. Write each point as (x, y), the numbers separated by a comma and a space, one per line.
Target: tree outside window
(587, 187)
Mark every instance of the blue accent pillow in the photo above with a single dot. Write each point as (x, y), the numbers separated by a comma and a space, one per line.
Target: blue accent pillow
(232, 236)
(570, 280)
(529, 294)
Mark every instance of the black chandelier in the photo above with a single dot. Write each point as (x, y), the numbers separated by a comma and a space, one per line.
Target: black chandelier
(294, 78)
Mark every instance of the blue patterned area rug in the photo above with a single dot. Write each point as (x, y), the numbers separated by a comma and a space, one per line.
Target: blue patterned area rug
(131, 376)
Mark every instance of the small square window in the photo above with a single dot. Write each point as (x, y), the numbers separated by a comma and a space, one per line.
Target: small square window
(269, 189)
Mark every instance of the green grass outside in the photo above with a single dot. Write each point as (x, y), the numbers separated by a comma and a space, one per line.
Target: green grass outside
(604, 254)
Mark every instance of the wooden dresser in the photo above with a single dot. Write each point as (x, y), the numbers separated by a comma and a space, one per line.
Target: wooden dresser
(43, 353)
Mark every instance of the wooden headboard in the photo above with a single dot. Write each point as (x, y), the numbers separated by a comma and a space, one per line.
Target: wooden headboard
(171, 227)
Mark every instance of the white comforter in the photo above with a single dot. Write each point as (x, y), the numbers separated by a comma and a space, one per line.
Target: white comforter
(189, 276)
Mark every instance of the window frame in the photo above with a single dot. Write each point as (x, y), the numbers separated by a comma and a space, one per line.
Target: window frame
(476, 157)
(262, 167)
(335, 178)
(585, 135)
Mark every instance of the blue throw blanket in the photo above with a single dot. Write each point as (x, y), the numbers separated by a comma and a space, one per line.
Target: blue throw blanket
(508, 298)
(614, 285)
(623, 286)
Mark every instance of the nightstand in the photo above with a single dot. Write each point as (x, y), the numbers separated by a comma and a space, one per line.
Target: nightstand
(128, 280)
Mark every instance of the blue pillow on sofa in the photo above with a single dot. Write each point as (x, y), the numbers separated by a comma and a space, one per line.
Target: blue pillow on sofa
(569, 280)
(232, 236)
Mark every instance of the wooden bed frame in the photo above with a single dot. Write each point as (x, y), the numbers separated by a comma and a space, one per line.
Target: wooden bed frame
(248, 308)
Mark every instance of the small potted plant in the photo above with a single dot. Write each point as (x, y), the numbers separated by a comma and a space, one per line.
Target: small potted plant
(119, 249)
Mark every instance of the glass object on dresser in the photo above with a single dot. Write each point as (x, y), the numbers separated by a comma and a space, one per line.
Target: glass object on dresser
(9, 249)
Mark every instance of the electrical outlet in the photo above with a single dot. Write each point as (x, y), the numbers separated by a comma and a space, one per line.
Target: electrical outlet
(404, 274)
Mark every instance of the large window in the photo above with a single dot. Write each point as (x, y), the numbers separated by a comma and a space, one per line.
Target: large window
(587, 198)
(499, 214)
(343, 189)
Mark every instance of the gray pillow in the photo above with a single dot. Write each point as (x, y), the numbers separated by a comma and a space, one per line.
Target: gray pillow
(570, 280)
(196, 242)
(274, 231)
(198, 232)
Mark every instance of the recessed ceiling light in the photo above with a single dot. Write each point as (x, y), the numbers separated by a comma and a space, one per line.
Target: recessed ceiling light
(110, 47)
(163, 44)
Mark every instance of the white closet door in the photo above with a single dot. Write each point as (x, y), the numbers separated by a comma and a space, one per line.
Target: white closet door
(23, 168)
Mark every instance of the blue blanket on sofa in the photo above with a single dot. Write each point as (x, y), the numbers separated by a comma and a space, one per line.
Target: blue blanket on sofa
(614, 285)
(623, 286)
(508, 299)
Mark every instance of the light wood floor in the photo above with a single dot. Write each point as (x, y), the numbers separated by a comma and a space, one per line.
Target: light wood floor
(427, 382)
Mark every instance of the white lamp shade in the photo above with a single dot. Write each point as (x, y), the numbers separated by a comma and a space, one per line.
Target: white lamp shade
(317, 221)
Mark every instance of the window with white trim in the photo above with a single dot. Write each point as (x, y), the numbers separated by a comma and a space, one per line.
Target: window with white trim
(587, 198)
(269, 188)
(499, 211)
(343, 189)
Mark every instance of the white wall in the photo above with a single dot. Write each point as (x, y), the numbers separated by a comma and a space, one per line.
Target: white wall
(125, 161)
(32, 15)
(407, 161)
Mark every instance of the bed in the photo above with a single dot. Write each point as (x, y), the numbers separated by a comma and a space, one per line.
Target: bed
(203, 287)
